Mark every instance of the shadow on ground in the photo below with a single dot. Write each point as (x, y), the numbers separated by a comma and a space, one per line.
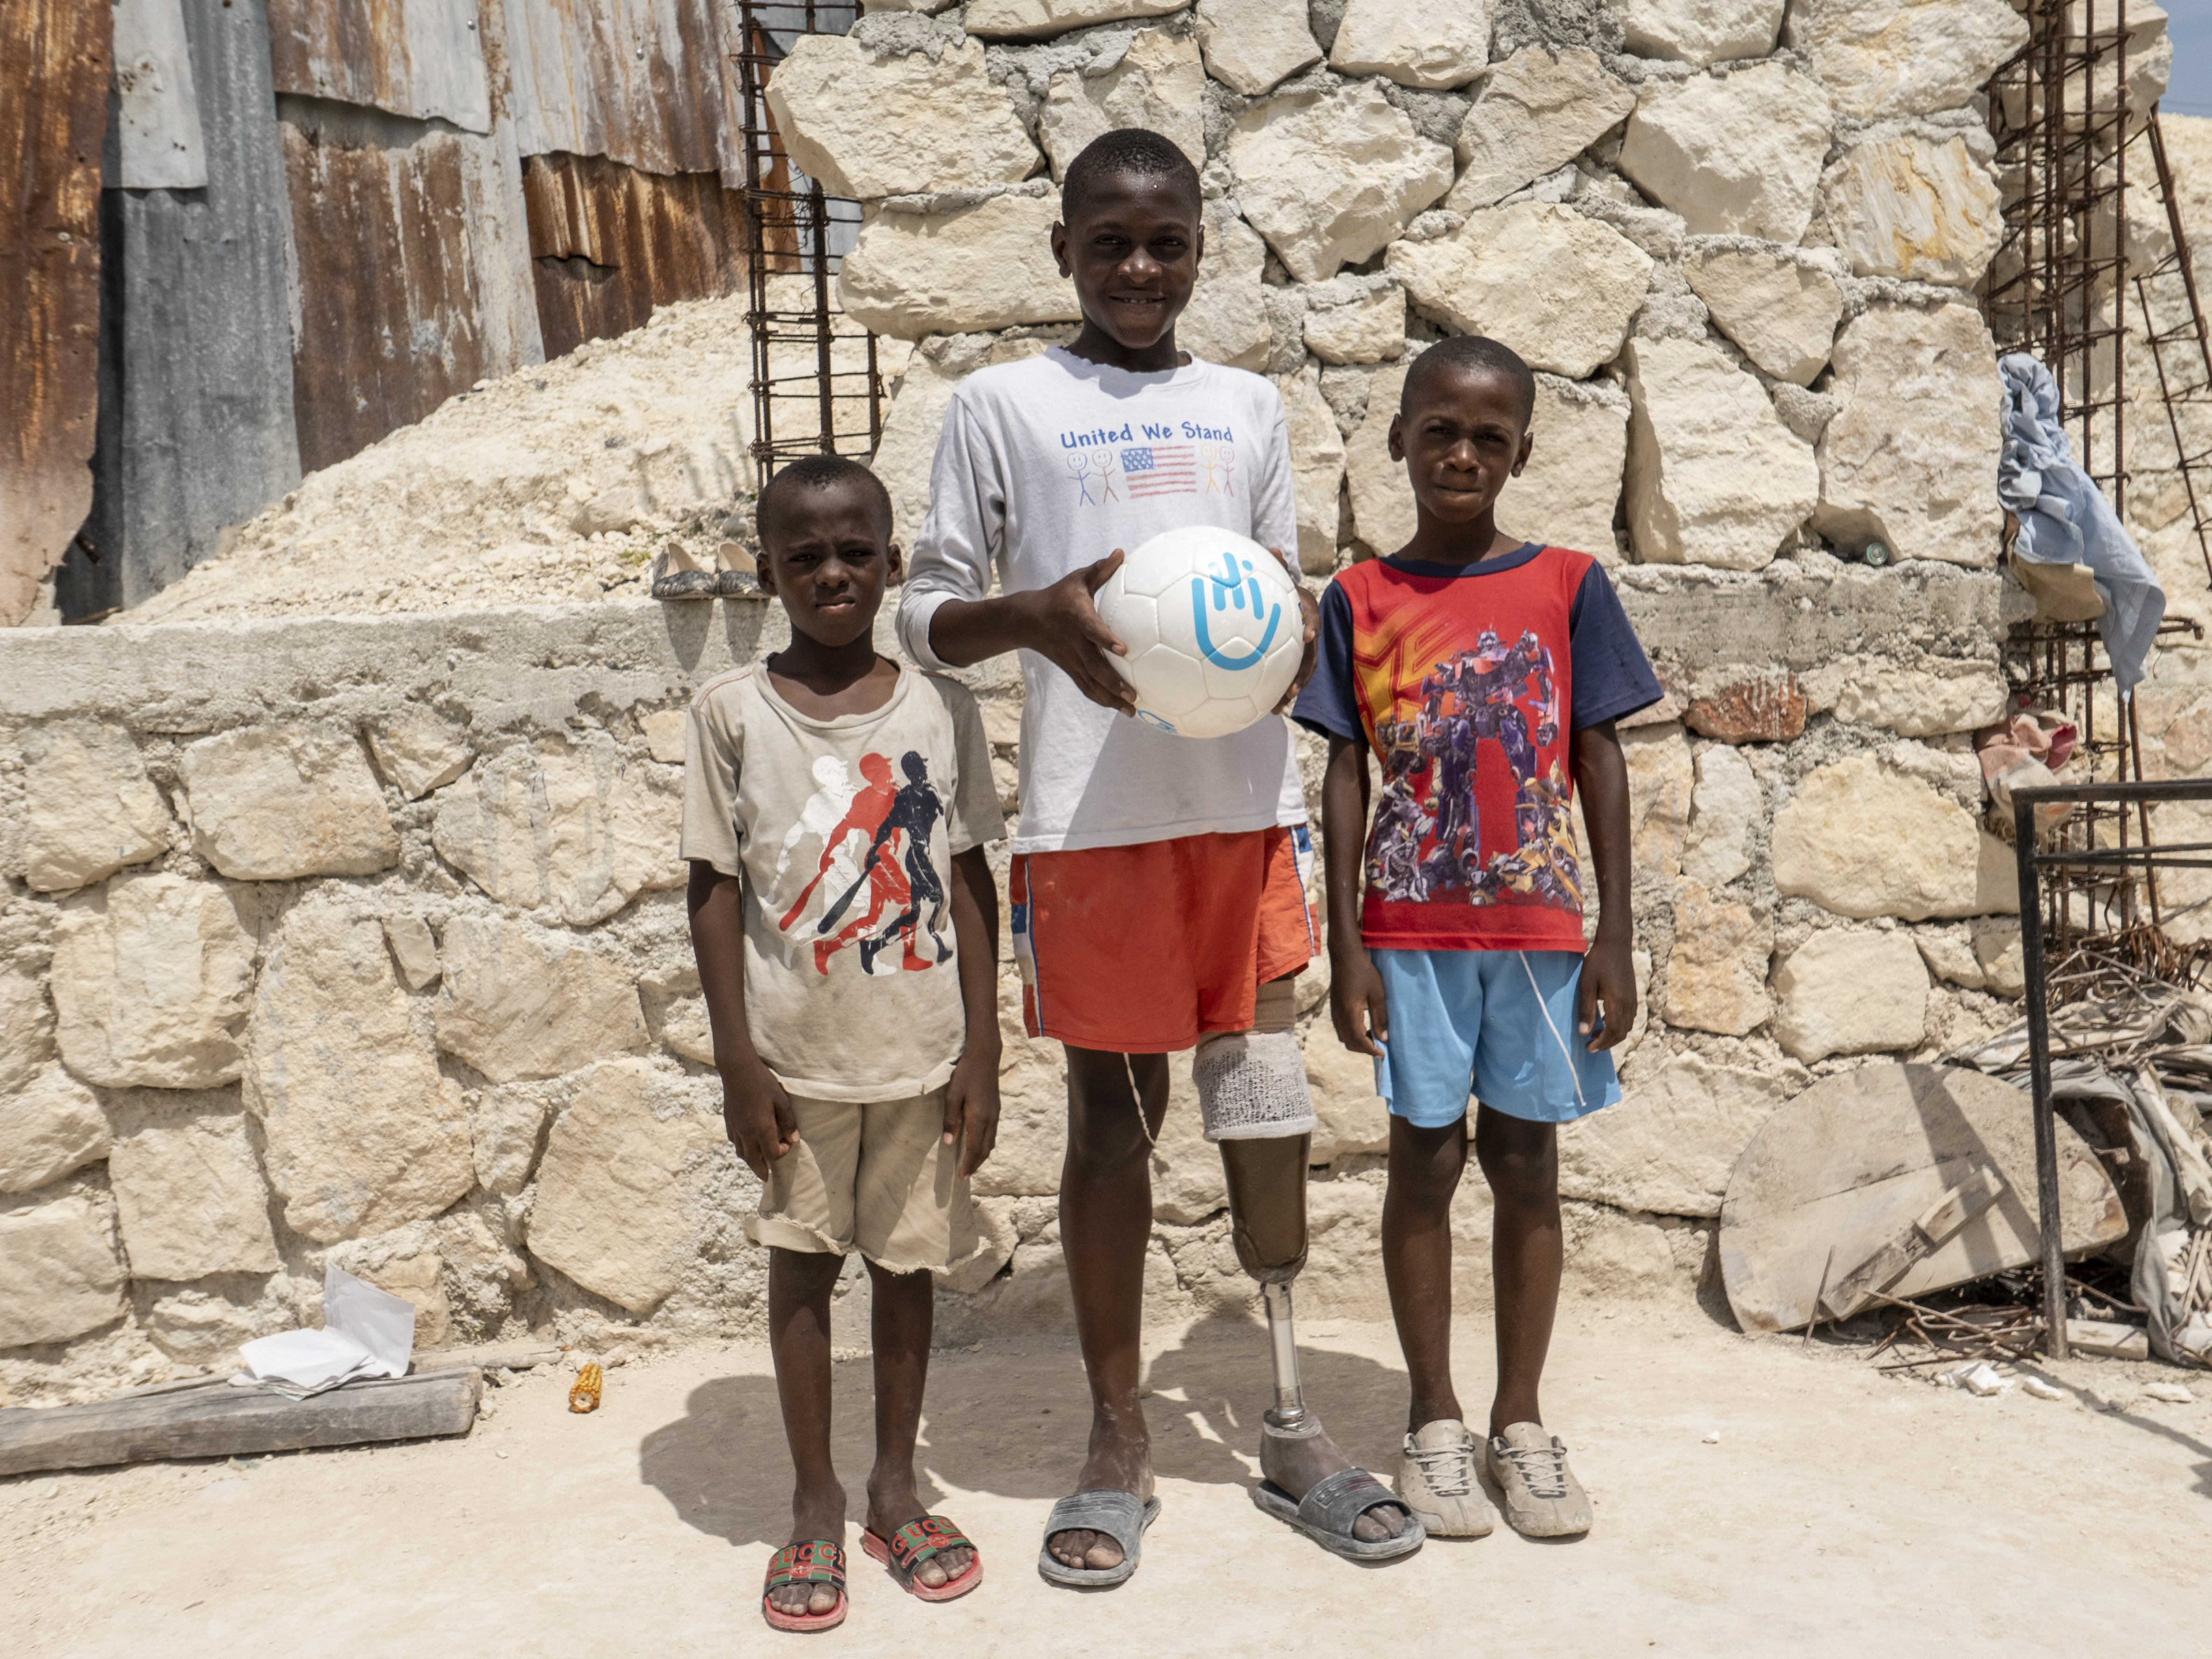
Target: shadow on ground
(1013, 1420)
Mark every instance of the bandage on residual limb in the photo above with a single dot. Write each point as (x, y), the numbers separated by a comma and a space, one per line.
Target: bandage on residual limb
(1252, 1086)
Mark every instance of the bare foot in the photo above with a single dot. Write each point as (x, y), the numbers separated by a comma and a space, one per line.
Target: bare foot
(1121, 1461)
(1298, 1460)
(893, 1502)
(813, 1514)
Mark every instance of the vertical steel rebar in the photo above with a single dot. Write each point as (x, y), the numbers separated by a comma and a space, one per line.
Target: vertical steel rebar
(2049, 1222)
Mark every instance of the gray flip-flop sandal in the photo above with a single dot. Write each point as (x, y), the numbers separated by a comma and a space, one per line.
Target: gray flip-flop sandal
(1116, 1514)
(1327, 1512)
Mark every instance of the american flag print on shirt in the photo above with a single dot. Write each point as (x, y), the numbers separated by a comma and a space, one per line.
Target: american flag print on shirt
(1161, 469)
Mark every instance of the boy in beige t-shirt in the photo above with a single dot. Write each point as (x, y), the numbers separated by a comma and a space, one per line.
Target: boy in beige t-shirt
(835, 807)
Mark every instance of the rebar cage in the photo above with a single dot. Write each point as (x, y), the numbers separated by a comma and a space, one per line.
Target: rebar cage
(817, 385)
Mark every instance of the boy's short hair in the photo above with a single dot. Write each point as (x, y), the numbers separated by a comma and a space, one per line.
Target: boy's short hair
(1474, 354)
(1126, 151)
(815, 472)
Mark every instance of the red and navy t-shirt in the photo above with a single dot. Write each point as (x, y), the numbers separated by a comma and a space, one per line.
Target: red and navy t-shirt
(1467, 681)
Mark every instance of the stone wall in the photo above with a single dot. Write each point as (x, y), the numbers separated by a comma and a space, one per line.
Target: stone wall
(360, 939)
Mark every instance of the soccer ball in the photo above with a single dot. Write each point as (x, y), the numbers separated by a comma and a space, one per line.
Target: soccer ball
(1212, 625)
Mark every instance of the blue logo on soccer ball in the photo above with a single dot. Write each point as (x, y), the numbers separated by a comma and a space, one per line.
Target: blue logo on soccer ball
(1229, 589)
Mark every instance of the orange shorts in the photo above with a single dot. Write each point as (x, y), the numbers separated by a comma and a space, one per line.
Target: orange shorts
(1144, 950)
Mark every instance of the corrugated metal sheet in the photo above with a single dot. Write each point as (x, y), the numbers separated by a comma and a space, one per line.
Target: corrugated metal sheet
(413, 275)
(416, 57)
(157, 115)
(196, 332)
(650, 84)
(608, 243)
(54, 113)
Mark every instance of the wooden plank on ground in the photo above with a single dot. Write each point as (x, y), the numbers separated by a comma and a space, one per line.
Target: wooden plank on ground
(1961, 1204)
(217, 1420)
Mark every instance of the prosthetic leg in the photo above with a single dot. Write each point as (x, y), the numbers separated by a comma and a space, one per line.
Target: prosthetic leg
(1252, 1092)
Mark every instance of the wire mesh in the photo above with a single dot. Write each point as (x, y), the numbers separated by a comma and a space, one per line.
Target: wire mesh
(816, 385)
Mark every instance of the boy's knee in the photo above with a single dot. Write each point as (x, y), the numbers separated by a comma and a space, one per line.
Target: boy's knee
(1522, 1176)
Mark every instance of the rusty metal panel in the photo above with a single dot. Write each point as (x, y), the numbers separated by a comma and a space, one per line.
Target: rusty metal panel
(422, 58)
(645, 82)
(54, 113)
(608, 243)
(158, 141)
(196, 333)
(410, 255)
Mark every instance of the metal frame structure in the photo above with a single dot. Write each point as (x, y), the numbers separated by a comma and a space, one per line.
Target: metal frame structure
(2182, 353)
(2078, 862)
(797, 383)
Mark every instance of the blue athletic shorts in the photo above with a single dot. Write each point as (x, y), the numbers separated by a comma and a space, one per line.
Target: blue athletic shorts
(1497, 1024)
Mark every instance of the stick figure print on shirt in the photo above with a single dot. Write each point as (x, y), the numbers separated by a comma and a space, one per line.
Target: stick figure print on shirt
(1079, 467)
(1104, 460)
(913, 813)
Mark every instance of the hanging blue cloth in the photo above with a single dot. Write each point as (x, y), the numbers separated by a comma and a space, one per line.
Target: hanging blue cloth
(2064, 518)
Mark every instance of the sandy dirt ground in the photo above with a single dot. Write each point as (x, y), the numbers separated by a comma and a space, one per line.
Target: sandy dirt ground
(1839, 1511)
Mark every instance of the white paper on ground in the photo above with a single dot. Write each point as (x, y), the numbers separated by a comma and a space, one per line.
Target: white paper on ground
(366, 1333)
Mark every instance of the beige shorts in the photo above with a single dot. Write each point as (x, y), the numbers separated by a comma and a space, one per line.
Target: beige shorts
(876, 1177)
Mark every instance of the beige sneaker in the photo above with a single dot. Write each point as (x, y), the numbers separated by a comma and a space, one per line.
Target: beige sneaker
(1436, 1480)
(1543, 1499)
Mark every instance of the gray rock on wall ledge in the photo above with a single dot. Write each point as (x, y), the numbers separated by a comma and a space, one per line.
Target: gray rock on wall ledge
(278, 802)
(151, 981)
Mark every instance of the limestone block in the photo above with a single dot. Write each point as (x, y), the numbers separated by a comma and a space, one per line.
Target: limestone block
(1532, 114)
(190, 1198)
(1035, 19)
(1700, 32)
(27, 1029)
(151, 984)
(1908, 206)
(1566, 496)
(1188, 1185)
(1880, 58)
(1416, 44)
(89, 808)
(199, 1328)
(1343, 1276)
(1328, 178)
(1382, 510)
(1725, 811)
(1659, 780)
(364, 1134)
(1862, 838)
(1737, 154)
(664, 736)
(869, 126)
(1998, 949)
(1920, 702)
(611, 1205)
(1766, 705)
(1910, 457)
(1316, 469)
(1714, 475)
(1950, 954)
(414, 951)
(911, 428)
(1226, 321)
(1848, 993)
(505, 1125)
(274, 803)
(1159, 85)
(1251, 44)
(1557, 288)
(576, 830)
(1716, 972)
(1032, 1107)
(521, 1001)
(1353, 1118)
(416, 752)
(961, 272)
(1669, 1145)
(47, 1129)
(59, 1277)
(1782, 314)
(686, 1030)
(1364, 331)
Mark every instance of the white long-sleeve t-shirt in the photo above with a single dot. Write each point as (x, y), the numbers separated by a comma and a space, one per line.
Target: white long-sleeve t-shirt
(1049, 465)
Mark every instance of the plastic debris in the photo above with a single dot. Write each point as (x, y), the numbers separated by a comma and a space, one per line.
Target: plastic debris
(1981, 1379)
(1712, 1437)
(584, 1395)
(2041, 1389)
